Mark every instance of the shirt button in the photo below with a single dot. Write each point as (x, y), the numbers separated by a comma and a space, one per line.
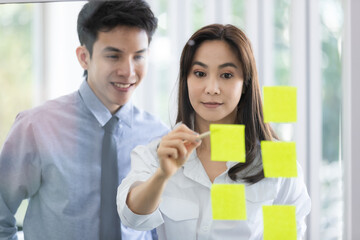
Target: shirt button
(205, 228)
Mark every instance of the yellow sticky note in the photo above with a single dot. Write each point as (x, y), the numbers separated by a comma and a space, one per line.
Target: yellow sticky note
(228, 202)
(279, 222)
(280, 104)
(279, 159)
(227, 142)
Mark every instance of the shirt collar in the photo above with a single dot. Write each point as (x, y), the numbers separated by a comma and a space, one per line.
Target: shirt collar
(194, 170)
(125, 113)
(98, 109)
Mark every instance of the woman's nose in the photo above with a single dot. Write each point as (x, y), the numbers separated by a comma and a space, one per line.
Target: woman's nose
(212, 87)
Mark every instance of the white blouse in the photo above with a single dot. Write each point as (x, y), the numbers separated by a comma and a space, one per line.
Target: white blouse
(185, 209)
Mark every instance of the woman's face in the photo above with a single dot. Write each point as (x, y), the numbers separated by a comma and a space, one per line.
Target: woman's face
(215, 83)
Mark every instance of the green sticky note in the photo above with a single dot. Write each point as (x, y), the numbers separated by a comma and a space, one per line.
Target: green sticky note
(280, 104)
(227, 142)
(279, 222)
(228, 202)
(279, 159)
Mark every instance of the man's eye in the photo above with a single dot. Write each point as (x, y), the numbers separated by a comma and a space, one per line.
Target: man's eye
(139, 57)
(227, 75)
(199, 74)
(112, 56)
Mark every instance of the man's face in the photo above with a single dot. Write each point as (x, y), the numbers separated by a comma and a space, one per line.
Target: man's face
(118, 64)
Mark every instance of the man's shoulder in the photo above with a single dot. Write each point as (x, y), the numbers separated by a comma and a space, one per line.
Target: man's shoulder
(144, 118)
(147, 127)
(65, 101)
(55, 106)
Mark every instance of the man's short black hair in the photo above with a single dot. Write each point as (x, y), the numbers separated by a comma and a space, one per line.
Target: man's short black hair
(103, 16)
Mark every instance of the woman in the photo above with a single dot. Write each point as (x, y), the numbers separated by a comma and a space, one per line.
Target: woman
(169, 184)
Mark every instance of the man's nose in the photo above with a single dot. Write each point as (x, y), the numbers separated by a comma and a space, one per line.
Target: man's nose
(126, 68)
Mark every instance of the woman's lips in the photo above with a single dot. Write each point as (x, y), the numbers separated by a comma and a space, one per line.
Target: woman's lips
(211, 104)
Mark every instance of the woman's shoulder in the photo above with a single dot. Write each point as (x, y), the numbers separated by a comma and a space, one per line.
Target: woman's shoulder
(150, 147)
(147, 152)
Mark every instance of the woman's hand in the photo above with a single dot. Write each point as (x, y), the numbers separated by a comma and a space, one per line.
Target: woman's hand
(175, 148)
(173, 151)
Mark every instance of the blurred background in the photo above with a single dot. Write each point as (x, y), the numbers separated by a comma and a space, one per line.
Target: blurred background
(296, 43)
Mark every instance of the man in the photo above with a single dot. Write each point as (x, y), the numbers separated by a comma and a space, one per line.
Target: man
(54, 153)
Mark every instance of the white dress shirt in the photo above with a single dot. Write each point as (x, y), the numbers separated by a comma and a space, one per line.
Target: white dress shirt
(185, 208)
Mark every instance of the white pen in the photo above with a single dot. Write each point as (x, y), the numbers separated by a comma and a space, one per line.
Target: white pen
(201, 136)
(205, 134)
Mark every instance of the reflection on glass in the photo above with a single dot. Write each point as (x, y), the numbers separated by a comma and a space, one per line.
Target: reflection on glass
(331, 171)
(282, 42)
(16, 78)
(16, 71)
(331, 14)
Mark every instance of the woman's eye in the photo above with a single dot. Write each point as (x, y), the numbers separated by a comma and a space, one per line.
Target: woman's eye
(227, 75)
(199, 74)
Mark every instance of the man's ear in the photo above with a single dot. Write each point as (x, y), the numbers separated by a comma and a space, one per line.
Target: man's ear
(83, 56)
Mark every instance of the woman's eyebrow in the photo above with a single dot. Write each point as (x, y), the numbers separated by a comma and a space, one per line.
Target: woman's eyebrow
(227, 65)
(200, 64)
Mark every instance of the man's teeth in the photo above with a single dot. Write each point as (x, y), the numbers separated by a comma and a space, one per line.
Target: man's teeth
(121, 85)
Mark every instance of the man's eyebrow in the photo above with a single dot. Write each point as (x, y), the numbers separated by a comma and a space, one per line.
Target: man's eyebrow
(229, 64)
(113, 49)
(142, 50)
(200, 64)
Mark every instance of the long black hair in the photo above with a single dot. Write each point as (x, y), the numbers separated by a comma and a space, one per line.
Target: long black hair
(250, 110)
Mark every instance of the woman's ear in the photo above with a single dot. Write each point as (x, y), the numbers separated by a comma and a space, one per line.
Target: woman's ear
(83, 56)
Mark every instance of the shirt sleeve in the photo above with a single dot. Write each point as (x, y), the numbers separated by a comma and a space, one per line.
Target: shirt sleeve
(293, 191)
(143, 165)
(19, 173)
